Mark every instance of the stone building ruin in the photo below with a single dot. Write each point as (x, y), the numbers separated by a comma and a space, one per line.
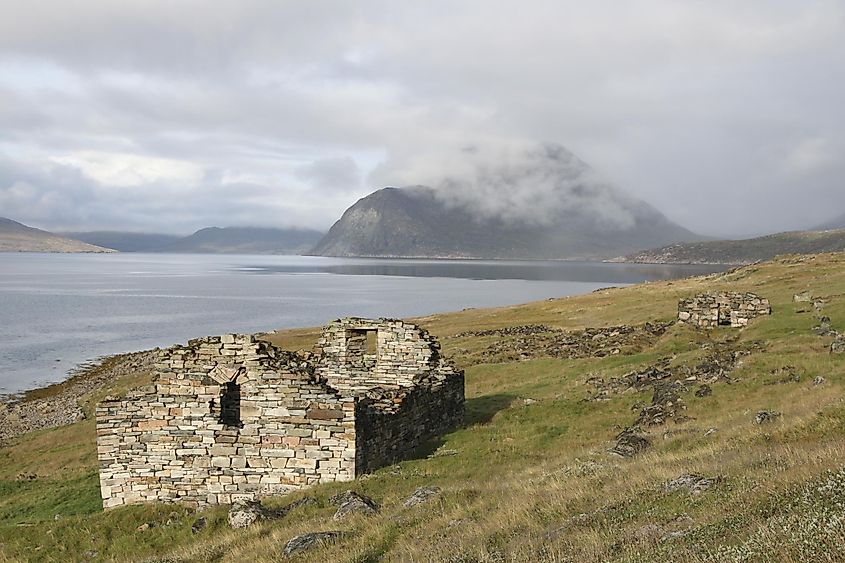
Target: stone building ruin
(724, 308)
(231, 417)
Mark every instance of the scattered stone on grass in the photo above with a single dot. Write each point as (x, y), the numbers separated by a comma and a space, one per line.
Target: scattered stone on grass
(304, 542)
(803, 297)
(423, 495)
(629, 443)
(764, 416)
(198, 525)
(818, 380)
(838, 345)
(703, 391)
(245, 513)
(350, 502)
(694, 484)
(442, 453)
(824, 327)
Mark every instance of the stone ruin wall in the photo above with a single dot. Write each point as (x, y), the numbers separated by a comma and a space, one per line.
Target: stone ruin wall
(403, 354)
(735, 309)
(180, 439)
(167, 442)
(408, 393)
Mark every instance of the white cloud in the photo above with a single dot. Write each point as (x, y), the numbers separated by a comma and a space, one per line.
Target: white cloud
(131, 170)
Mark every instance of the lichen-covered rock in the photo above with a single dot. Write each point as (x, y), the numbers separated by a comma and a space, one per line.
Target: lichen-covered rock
(629, 443)
(764, 416)
(304, 542)
(243, 514)
(422, 495)
(350, 502)
(695, 484)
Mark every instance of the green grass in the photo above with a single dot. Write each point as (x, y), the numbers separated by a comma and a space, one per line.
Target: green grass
(531, 482)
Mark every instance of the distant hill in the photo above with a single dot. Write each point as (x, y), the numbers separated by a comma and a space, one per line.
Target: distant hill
(414, 222)
(124, 241)
(743, 251)
(17, 237)
(244, 240)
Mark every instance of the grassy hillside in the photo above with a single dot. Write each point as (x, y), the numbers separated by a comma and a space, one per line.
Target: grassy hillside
(744, 251)
(17, 237)
(530, 478)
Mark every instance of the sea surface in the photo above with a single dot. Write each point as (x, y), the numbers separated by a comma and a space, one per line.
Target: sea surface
(58, 310)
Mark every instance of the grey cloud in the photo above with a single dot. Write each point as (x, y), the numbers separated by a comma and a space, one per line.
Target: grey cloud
(727, 117)
(332, 174)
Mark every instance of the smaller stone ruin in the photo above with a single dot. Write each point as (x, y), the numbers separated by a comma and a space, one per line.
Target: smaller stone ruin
(723, 308)
(231, 418)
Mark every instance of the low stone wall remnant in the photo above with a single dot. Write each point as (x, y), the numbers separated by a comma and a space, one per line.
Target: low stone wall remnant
(724, 308)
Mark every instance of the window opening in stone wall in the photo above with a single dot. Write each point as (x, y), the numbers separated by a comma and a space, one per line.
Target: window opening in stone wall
(230, 404)
(372, 343)
(724, 318)
(362, 348)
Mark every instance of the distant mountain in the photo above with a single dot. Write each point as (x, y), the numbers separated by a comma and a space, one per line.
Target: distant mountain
(838, 223)
(744, 251)
(415, 222)
(17, 237)
(124, 241)
(531, 201)
(244, 240)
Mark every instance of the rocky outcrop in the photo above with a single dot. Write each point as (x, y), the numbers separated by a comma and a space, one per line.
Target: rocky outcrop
(350, 502)
(423, 495)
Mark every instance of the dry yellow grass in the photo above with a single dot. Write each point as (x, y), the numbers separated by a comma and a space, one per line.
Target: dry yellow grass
(534, 482)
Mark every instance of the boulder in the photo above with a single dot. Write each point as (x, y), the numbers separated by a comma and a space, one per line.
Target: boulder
(422, 495)
(304, 542)
(245, 513)
(629, 443)
(350, 502)
(837, 346)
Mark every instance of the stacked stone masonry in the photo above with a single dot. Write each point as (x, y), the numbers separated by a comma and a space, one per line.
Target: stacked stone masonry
(725, 308)
(232, 417)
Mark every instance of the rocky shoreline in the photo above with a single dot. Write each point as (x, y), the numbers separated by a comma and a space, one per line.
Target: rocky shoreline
(60, 404)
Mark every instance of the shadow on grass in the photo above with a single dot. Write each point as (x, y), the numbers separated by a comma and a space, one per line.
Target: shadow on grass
(481, 410)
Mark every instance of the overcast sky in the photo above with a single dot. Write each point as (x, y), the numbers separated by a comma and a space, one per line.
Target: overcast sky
(728, 116)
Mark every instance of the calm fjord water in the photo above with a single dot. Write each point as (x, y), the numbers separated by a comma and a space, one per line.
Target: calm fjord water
(57, 310)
